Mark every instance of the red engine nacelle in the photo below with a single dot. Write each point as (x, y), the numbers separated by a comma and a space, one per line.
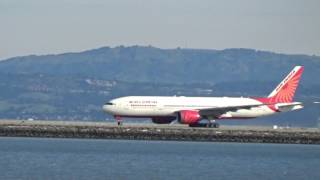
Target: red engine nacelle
(188, 117)
(163, 120)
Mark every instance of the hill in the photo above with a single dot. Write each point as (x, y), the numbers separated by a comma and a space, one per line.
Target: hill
(75, 85)
(149, 64)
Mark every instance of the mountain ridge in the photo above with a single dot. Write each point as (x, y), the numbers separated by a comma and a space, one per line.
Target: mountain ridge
(154, 47)
(174, 64)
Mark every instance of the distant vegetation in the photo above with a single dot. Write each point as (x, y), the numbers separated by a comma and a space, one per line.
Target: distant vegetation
(74, 86)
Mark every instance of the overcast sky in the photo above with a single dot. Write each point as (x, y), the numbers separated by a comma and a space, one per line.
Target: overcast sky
(56, 26)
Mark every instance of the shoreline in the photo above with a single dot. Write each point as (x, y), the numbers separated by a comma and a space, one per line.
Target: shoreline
(131, 131)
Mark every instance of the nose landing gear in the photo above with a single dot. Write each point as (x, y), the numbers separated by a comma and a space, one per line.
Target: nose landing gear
(119, 120)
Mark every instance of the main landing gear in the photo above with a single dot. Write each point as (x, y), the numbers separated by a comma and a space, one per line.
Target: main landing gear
(213, 124)
(210, 124)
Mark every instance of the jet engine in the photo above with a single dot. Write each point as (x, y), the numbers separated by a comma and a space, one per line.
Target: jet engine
(163, 120)
(188, 117)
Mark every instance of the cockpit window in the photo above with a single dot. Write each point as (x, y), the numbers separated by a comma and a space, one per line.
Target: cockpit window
(109, 103)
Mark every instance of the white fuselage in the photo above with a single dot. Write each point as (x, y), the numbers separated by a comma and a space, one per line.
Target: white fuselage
(154, 106)
(192, 109)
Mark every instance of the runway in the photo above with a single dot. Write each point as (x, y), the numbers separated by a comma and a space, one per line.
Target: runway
(139, 131)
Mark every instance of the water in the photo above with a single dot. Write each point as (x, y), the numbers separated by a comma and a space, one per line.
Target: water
(36, 158)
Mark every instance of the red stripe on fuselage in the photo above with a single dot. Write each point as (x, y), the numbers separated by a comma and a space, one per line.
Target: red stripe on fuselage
(269, 103)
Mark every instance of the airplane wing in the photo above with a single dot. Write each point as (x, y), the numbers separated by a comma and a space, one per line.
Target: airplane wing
(217, 111)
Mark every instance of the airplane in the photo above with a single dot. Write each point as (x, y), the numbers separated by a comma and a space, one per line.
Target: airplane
(192, 110)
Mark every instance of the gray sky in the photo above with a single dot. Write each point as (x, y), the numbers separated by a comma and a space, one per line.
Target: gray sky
(56, 26)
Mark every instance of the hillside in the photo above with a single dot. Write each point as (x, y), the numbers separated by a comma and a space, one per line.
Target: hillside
(149, 64)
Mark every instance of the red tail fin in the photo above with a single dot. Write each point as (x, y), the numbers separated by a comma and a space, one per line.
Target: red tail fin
(285, 91)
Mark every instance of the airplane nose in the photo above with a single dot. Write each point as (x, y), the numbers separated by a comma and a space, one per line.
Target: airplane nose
(106, 108)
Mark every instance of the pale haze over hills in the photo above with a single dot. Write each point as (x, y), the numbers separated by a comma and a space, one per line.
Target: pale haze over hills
(46, 27)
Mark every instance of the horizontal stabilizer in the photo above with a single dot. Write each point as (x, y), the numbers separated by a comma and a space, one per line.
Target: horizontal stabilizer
(285, 107)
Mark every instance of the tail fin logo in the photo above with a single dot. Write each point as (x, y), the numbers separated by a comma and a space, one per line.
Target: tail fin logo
(285, 91)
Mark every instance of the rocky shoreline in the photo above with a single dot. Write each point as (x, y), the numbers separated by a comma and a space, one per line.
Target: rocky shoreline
(62, 129)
